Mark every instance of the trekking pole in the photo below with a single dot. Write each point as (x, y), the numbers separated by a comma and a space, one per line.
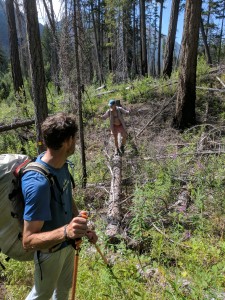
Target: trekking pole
(76, 259)
(110, 270)
(100, 252)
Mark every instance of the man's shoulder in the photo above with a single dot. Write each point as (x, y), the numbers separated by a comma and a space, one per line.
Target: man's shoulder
(34, 179)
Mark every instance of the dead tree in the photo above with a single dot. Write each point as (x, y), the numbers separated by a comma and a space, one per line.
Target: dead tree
(37, 69)
(114, 210)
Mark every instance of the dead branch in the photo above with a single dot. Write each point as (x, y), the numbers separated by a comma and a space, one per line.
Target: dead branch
(165, 235)
(223, 84)
(16, 125)
(172, 156)
(105, 93)
(158, 113)
(210, 89)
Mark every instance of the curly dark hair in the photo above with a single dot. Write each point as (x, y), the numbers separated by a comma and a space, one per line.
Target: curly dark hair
(58, 128)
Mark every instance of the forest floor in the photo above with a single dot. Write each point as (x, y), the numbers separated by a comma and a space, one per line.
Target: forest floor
(151, 137)
(2, 289)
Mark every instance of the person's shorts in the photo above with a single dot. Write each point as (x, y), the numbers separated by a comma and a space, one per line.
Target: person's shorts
(119, 129)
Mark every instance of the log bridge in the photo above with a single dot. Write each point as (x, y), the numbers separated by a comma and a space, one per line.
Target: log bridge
(114, 215)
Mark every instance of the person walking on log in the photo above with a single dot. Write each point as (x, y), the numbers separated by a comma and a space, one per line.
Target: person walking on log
(51, 220)
(117, 124)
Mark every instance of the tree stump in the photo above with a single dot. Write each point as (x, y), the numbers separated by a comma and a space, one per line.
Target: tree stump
(114, 210)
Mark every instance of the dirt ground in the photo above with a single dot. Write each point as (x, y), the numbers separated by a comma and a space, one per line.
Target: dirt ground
(2, 290)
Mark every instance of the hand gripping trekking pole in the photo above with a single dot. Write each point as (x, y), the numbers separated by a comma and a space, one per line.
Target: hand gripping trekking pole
(76, 258)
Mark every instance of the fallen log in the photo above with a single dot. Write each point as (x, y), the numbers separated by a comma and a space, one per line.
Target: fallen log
(223, 84)
(105, 93)
(114, 211)
(210, 89)
(16, 125)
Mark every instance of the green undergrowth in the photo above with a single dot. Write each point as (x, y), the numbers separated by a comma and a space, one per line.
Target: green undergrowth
(172, 245)
(168, 271)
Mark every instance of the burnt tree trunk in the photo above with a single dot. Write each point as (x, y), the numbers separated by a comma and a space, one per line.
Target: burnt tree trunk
(185, 104)
(159, 36)
(79, 95)
(114, 210)
(54, 46)
(144, 63)
(37, 69)
(204, 38)
(96, 44)
(14, 54)
(168, 64)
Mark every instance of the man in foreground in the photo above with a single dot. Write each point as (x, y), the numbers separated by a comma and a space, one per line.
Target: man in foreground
(51, 219)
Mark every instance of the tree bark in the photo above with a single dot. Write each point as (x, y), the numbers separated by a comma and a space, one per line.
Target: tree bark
(37, 69)
(96, 43)
(134, 69)
(16, 125)
(186, 95)
(55, 45)
(14, 52)
(207, 52)
(79, 97)
(114, 210)
(144, 63)
(159, 36)
(168, 62)
(23, 48)
(221, 34)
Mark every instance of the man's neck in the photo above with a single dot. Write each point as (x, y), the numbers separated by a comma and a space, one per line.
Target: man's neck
(54, 158)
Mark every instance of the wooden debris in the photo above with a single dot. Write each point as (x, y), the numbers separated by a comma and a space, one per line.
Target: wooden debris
(105, 93)
(114, 210)
(223, 84)
(210, 89)
(101, 87)
(158, 113)
(16, 125)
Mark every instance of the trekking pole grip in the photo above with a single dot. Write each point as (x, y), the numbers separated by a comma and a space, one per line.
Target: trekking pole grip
(82, 214)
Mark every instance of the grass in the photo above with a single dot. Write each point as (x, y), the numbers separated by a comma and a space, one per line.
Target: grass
(193, 272)
(176, 252)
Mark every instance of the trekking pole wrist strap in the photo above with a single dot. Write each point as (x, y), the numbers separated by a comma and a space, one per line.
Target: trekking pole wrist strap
(65, 233)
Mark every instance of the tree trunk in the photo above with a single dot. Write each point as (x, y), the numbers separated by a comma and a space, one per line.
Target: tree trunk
(221, 35)
(96, 43)
(23, 47)
(79, 96)
(54, 46)
(14, 52)
(144, 63)
(186, 95)
(168, 62)
(37, 69)
(207, 52)
(114, 210)
(134, 61)
(159, 36)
